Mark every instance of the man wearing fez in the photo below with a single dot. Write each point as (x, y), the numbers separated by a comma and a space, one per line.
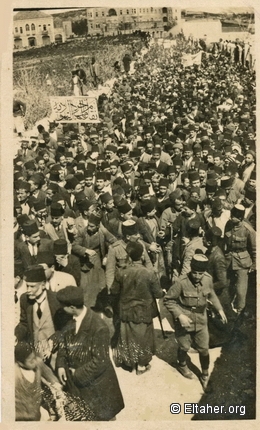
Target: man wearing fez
(41, 316)
(27, 251)
(55, 279)
(138, 288)
(240, 250)
(187, 302)
(55, 229)
(91, 247)
(66, 262)
(84, 367)
(22, 190)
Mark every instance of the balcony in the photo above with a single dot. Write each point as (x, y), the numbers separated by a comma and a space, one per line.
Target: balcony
(45, 33)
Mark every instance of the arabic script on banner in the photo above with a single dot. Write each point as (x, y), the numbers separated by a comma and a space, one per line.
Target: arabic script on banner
(75, 109)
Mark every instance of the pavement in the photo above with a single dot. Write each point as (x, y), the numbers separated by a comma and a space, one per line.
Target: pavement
(148, 396)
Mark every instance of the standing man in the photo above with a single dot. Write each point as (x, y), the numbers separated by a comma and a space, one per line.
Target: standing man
(19, 110)
(83, 362)
(240, 243)
(187, 302)
(138, 288)
(41, 315)
(94, 72)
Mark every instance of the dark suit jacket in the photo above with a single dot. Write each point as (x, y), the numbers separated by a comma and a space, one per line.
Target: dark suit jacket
(22, 253)
(162, 168)
(24, 330)
(73, 268)
(94, 379)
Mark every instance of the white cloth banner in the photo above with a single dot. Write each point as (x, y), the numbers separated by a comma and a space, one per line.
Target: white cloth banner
(190, 59)
(74, 109)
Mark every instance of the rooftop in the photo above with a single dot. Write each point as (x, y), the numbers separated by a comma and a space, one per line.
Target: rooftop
(30, 14)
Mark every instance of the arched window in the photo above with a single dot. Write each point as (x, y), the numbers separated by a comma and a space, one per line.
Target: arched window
(32, 27)
(112, 12)
(27, 28)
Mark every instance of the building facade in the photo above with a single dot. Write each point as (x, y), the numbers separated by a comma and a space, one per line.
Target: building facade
(107, 21)
(32, 28)
(36, 28)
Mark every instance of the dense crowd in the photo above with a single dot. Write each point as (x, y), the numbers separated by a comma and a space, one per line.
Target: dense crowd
(156, 201)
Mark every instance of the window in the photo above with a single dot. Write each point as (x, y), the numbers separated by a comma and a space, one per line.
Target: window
(134, 10)
(103, 13)
(44, 27)
(90, 14)
(91, 25)
(151, 9)
(121, 12)
(27, 28)
(97, 25)
(16, 29)
(127, 11)
(21, 30)
(96, 13)
(32, 27)
(143, 10)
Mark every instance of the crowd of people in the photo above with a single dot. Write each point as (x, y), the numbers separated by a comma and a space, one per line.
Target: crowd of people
(152, 208)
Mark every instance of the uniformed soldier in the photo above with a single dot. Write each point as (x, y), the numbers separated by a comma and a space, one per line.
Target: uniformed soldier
(240, 248)
(117, 255)
(187, 301)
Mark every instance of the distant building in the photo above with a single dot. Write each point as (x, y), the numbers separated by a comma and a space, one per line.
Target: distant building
(36, 28)
(32, 28)
(116, 20)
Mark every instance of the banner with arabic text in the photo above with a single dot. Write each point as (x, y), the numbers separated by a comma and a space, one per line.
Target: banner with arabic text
(74, 109)
(190, 59)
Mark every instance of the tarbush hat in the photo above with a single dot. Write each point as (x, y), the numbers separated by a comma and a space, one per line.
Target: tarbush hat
(177, 146)
(148, 206)
(129, 228)
(60, 247)
(134, 250)
(211, 185)
(192, 204)
(30, 227)
(226, 182)
(23, 185)
(101, 175)
(199, 263)
(213, 232)
(34, 273)
(194, 176)
(143, 190)
(84, 205)
(89, 173)
(164, 182)
(71, 183)
(253, 175)
(21, 219)
(79, 197)
(238, 211)
(193, 225)
(79, 176)
(250, 194)
(39, 205)
(126, 167)
(124, 207)
(46, 257)
(29, 165)
(71, 296)
(94, 219)
(105, 198)
(54, 176)
(56, 210)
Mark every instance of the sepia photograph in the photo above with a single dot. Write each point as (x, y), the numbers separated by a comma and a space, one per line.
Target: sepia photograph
(133, 193)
